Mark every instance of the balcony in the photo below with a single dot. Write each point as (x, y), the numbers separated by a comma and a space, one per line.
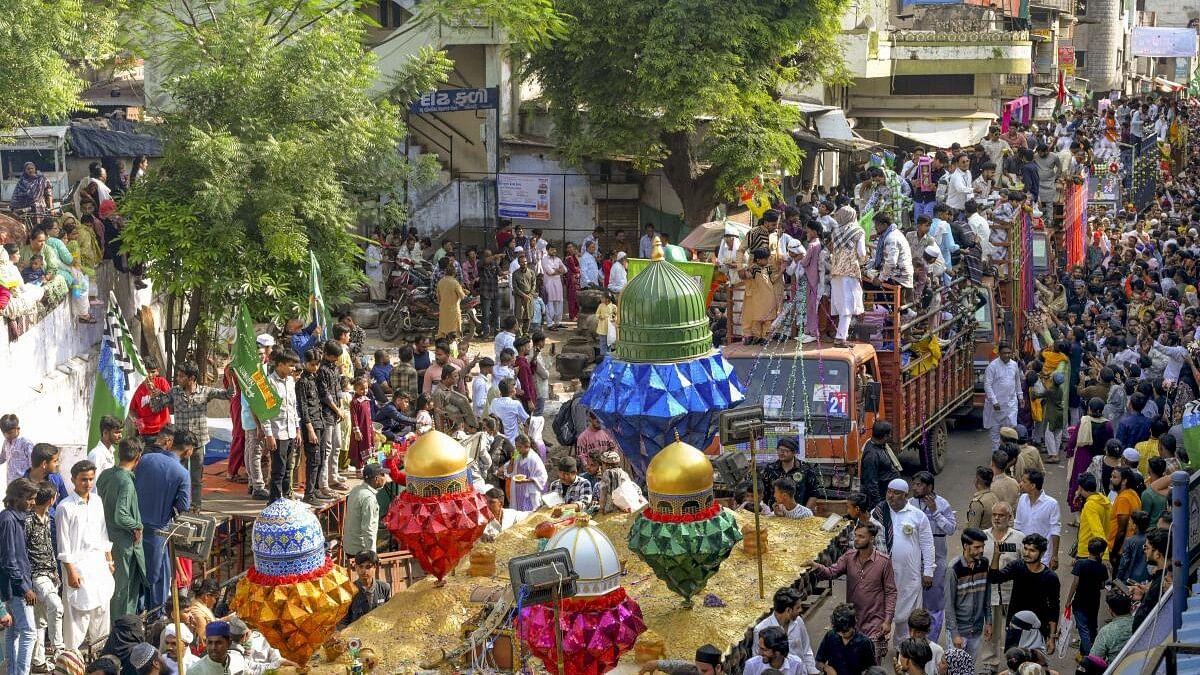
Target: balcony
(917, 52)
(1061, 6)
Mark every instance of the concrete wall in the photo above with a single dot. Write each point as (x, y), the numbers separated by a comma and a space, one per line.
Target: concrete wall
(50, 371)
(1173, 12)
(461, 201)
(572, 207)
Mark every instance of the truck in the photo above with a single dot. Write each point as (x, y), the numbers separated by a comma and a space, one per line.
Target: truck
(829, 397)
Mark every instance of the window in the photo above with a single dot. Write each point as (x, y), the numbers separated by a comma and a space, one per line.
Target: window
(1080, 60)
(928, 85)
(391, 15)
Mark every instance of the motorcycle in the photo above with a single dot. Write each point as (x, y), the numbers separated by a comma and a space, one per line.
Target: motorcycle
(415, 311)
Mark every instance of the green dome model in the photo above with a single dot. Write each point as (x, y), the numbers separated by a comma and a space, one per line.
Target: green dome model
(662, 315)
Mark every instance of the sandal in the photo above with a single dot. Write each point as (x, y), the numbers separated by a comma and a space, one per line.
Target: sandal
(86, 319)
(239, 479)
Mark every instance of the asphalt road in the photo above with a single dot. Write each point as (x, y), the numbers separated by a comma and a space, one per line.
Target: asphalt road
(970, 448)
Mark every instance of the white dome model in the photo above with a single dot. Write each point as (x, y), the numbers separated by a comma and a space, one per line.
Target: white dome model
(593, 555)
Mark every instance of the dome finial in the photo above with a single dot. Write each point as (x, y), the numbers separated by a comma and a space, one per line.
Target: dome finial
(656, 250)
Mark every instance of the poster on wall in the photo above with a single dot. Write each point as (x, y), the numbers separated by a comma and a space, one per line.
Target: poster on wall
(1066, 59)
(526, 197)
(1162, 42)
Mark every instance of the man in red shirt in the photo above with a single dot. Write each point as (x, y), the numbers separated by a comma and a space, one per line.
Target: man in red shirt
(146, 420)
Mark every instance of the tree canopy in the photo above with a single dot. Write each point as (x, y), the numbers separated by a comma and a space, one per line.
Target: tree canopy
(41, 45)
(271, 148)
(691, 86)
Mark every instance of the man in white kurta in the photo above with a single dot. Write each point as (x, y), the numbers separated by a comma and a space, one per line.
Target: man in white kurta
(913, 557)
(552, 270)
(86, 556)
(942, 524)
(1002, 384)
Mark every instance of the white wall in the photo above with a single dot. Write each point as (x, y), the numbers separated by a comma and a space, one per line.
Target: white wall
(49, 372)
(569, 192)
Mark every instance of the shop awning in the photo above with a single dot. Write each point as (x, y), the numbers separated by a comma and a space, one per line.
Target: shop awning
(833, 130)
(942, 132)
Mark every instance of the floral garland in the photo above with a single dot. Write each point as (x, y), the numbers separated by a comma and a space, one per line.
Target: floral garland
(707, 513)
(260, 579)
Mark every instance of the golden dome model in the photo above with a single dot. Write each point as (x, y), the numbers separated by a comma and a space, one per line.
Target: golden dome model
(435, 454)
(679, 469)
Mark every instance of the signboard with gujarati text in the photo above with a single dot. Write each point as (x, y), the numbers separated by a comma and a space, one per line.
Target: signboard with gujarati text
(455, 100)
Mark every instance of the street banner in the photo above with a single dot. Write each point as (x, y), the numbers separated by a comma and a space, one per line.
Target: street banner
(526, 197)
(250, 371)
(1156, 42)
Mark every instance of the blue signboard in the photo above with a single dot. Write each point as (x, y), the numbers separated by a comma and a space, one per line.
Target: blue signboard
(454, 100)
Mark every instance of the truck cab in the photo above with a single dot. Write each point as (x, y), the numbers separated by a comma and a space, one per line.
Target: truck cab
(825, 397)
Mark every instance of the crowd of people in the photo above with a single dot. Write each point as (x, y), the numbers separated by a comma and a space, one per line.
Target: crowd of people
(64, 243)
(1100, 381)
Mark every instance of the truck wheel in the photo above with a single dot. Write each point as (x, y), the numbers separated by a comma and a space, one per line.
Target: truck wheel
(933, 453)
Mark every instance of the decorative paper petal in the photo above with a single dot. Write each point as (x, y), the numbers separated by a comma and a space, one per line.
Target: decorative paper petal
(595, 632)
(296, 618)
(439, 531)
(685, 555)
(644, 404)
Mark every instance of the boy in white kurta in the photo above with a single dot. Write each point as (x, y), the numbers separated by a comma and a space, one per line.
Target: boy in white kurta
(86, 556)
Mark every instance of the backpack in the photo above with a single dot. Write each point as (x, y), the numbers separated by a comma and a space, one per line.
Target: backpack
(943, 188)
(564, 426)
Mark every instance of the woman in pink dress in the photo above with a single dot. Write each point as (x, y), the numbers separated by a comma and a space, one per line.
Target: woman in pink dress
(572, 278)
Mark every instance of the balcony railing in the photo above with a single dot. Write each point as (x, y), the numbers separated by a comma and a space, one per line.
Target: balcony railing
(1063, 6)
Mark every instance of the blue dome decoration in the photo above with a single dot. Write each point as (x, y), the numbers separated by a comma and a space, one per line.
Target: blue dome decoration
(288, 539)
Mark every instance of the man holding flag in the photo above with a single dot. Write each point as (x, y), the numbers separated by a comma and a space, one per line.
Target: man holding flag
(259, 401)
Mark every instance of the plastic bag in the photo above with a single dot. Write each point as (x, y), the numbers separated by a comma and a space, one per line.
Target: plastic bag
(1064, 632)
(612, 333)
(628, 497)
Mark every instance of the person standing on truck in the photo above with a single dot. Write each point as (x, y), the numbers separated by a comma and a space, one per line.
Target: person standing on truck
(1002, 382)
(787, 466)
(847, 252)
(893, 263)
(942, 523)
(878, 465)
(910, 543)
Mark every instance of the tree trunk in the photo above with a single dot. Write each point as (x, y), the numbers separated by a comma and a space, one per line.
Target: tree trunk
(188, 333)
(695, 186)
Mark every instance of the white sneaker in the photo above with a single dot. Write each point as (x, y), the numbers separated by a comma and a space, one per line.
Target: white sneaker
(806, 338)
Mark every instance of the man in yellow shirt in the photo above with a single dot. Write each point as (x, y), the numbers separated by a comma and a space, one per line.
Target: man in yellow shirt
(1095, 516)
(1149, 448)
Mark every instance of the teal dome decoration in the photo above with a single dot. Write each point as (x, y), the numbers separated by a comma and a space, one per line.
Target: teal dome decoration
(662, 315)
(288, 540)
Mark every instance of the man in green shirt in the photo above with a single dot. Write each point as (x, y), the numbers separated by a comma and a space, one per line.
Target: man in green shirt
(1115, 634)
(123, 517)
(361, 526)
(1154, 503)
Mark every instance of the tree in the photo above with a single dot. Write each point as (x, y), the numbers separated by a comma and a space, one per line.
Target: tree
(41, 43)
(272, 148)
(691, 86)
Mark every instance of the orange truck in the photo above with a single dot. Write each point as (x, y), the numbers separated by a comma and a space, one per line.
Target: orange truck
(830, 397)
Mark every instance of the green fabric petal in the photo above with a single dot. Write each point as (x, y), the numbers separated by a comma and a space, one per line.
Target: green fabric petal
(685, 555)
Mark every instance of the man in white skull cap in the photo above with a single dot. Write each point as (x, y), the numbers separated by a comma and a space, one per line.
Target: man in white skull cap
(910, 543)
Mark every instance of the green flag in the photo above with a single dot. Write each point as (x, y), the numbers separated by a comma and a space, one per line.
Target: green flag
(117, 364)
(316, 299)
(866, 222)
(248, 368)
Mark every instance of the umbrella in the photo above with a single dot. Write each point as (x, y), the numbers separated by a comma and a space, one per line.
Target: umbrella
(707, 237)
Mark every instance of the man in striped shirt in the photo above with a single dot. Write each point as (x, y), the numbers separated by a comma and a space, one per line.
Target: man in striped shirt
(968, 614)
